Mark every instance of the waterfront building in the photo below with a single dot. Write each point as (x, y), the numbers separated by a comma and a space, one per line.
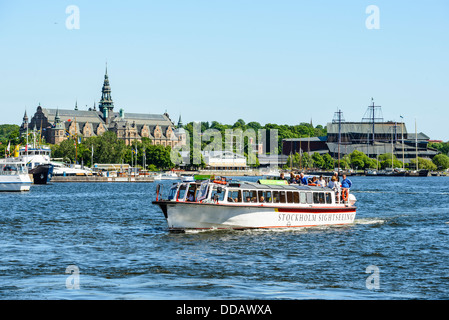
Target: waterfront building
(373, 136)
(56, 125)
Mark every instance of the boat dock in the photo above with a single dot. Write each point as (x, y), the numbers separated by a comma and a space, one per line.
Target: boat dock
(56, 179)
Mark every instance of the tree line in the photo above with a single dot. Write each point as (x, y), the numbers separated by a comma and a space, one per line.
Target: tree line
(358, 160)
(107, 148)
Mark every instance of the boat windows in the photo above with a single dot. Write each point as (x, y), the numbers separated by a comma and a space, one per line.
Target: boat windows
(249, 196)
(282, 195)
(309, 197)
(302, 197)
(182, 192)
(318, 198)
(234, 196)
(217, 195)
(295, 197)
(172, 192)
(279, 196)
(292, 197)
(328, 198)
(264, 196)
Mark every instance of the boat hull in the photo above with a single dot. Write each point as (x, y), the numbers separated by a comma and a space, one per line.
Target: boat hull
(188, 215)
(15, 183)
(42, 174)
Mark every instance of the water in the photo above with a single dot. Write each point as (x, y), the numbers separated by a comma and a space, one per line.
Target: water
(119, 242)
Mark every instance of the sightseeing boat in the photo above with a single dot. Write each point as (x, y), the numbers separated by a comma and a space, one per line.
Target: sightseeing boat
(14, 177)
(221, 204)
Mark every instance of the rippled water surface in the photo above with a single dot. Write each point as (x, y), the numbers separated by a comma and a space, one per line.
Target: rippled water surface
(118, 241)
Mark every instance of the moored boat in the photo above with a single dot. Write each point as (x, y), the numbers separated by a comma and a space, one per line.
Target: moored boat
(37, 160)
(14, 177)
(170, 175)
(212, 204)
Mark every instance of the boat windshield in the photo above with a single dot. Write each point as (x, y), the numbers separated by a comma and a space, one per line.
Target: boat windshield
(12, 169)
(172, 192)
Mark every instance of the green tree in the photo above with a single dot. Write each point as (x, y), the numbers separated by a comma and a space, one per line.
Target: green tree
(385, 161)
(441, 161)
(318, 160)
(328, 162)
(423, 164)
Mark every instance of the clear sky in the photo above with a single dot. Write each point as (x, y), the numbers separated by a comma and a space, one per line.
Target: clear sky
(284, 62)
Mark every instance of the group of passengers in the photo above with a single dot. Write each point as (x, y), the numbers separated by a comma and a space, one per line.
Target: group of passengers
(334, 182)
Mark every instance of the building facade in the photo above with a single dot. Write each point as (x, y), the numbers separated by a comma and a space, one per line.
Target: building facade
(373, 139)
(56, 125)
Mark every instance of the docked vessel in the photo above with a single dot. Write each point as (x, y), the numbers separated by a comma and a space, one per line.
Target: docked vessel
(219, 204)
(62, 169)
(37, 161)
(170, 175)
(14, 177)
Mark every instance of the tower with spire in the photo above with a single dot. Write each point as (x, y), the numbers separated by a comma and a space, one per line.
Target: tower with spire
(106, 104)
(57, 134)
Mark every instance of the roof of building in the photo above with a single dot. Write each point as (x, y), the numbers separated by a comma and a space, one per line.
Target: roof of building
(366, 127)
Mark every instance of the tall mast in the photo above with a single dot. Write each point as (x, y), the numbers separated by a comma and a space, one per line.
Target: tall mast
(338, 118)
(416, 147)
(402, 138)
(370, 117)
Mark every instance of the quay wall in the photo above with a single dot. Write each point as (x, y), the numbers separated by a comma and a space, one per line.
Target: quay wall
(100, 179)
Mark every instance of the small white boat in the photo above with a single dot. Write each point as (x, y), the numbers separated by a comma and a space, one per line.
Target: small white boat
(219, 204)
(167, 176)
(14, 177)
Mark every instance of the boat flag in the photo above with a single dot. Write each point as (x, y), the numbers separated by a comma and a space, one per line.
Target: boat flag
(9, 146)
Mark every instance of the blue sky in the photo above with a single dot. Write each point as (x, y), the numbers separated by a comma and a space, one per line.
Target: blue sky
(282, 62)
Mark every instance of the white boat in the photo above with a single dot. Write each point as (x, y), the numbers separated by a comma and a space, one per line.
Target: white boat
(244, 205)
(62, 169)
(167, 176)
(37, 160)
(14, 177)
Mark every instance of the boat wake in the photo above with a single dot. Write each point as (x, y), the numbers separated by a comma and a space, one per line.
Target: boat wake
(369, 221)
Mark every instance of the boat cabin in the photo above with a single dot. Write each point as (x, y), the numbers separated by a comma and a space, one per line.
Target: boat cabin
(252, 193)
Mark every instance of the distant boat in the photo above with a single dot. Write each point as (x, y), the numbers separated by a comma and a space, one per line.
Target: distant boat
(167, 176)
(14, 177)
(62, 169)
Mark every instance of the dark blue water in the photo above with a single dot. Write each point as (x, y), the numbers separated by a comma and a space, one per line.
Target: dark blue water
(118, 241)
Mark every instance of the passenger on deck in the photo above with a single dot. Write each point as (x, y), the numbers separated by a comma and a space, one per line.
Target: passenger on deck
(321, 182)
(313, 182)
(346, 183)
(303, 179)
(333, 183)
(297, 179)
(190, 197)
(292, 178)
(261, 199)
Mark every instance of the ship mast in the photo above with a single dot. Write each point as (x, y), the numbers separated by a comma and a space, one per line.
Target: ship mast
(338, 118)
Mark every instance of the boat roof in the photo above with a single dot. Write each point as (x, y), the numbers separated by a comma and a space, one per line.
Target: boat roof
(291, 187)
